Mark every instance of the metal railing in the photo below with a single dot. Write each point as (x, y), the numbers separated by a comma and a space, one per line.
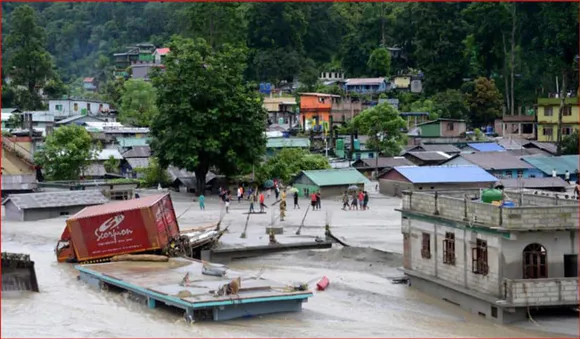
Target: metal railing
(18, 150)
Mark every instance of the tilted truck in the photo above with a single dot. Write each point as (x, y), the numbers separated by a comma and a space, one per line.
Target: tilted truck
(145, 225)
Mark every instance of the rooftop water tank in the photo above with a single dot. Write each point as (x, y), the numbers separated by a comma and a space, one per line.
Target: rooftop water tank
(491, 195)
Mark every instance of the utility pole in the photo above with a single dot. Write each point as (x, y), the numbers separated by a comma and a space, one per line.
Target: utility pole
(560, 114)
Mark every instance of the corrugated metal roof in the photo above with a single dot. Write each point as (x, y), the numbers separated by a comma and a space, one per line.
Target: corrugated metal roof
(138, 162)
(445, 148)
(323, 95)
(524, 152)
(132, 142)
(547, 182)
(8, 110)
(549, 147)
(496, 160)
(95, 170)
(138, 152)
(287, 142)
(117, 207)
(445, 174)
(106, 153)
(511, 143)
(547, 164)
(334, 177)
(364, 81)
(77, 117)
(384, 162)
(181, 174)
(486, 147)
(19, 182)
(430, 156)
(57, 199)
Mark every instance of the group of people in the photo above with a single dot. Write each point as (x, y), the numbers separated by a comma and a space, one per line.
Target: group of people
(360, 198)
(314, 200)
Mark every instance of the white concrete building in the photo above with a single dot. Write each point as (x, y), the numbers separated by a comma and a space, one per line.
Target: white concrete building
(497, 262)
(64, 108)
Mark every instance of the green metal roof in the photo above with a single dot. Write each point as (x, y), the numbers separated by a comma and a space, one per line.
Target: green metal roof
(335, 177)
(287, 142)
(132, 142)
(547, 164)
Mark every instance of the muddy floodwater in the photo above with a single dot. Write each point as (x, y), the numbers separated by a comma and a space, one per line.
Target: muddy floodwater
(360, 302)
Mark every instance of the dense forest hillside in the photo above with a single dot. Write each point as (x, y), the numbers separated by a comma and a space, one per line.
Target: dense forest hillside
(531, 43)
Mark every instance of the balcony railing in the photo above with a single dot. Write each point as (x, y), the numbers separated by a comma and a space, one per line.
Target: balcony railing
(541, 292)
(532, 212)
(18, 150)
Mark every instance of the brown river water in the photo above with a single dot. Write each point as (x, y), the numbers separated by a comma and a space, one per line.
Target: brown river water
(360, 302)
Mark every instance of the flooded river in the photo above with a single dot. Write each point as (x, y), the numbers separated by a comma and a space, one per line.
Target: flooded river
(361, 301)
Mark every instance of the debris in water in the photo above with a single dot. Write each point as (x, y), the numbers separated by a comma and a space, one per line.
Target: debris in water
(323, 284)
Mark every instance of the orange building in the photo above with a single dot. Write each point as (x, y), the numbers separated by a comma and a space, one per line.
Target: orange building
(315, 109)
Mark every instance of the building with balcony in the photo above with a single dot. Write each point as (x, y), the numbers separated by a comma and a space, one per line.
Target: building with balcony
(548, 110)
(367, 85)
(315, 111)
(281, 110)
(343, 109)
(521, 126)
(497, 261)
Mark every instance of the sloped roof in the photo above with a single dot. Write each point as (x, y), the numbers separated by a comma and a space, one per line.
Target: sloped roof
(384, 162)
(430, 156)
(444, 174)
(106, 153)
(88, 79)
(287, 142)
(95, 170)
(549, 147)
(547, 164)
(496, 161)
(187, 178)
(138, 162)
(445, 148)
(77, 117)
(486, 147)
(57, 199)
(364, 81)
(138, 152)
(336, 177)
(162, 51)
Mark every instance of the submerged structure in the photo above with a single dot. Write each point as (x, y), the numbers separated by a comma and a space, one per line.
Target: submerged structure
(495, 255)
(18, 273)
(202, 290)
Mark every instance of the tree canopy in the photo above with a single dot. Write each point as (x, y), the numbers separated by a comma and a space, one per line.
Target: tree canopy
(208, 116)
(383, 125)
(138, 103)
(66, 154)
(288, 162)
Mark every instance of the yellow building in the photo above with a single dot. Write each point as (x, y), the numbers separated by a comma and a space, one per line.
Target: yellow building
(548, 110)
(17, 156)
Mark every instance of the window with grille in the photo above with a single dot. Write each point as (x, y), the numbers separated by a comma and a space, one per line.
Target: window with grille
(449, 249)
(535, 262)
(566, 111)
(548, 111)
(479, 258)
(426, 246)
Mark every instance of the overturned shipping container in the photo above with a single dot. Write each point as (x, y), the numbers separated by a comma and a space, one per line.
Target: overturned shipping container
(145, 225)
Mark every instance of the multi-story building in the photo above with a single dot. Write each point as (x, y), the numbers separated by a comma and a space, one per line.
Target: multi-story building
(495, 261)
(548, 111)
(371, 86)
(64, 108)
(315, 110)
(135, 55)
(521, 125)
(281, 110)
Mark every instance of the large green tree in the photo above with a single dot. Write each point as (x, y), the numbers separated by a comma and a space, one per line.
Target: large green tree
(208, 116)
(138, 103)
(66, 154)
(29, 64)
(289, 162)
(484, 100)
(379, 63)
(383, 125)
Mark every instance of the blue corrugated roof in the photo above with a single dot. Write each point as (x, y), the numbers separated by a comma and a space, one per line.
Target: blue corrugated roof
(486, 147)
(445, 174)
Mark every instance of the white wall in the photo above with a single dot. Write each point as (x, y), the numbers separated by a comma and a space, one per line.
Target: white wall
(67, 108)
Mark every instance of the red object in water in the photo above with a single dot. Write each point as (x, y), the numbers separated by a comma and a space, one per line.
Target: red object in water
(323, 283)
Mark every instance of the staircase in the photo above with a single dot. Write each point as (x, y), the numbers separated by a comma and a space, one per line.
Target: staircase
(19, 151)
